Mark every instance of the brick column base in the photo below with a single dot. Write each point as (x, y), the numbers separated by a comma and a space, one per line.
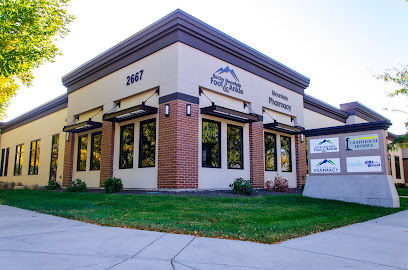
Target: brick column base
(256, 153)
(107, 150)
(301, 163)
(178, 146)
(68, 161)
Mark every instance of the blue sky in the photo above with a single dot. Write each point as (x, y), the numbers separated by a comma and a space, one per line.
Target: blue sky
(339, 44)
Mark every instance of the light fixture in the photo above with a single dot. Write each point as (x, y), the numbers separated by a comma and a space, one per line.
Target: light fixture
(167, 109)
(188, 110)
(302, 137)
(67, 136)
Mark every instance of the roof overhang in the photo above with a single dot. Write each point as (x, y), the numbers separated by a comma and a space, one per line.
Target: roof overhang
(379, 125)
(130, 113)
(292, 130)
(229, 114)
(83, 126)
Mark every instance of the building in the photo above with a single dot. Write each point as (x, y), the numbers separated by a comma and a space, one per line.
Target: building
(179, 105)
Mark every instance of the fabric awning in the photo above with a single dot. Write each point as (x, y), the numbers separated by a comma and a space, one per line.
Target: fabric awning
(292, 130)
(130, 113)
(83, 126)
(229, 114)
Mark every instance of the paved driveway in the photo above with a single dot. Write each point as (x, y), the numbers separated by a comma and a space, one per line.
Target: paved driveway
(29, 240)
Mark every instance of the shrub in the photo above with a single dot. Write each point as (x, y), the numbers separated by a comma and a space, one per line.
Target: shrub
(77, 186)
(400, 185)
(113, 185)
(19, 184)
(12, 185)
(52, 185)
(4, 185)
(280, 184)
(242, 186)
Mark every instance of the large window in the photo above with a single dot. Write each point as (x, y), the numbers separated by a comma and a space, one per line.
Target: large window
(54, 157)
(286, 158)
(147, 150)
(234, 147)
(82, 152)
(18, 162)
(3, 156)
(6, 162)
(211, 141)
(34, 157)
(397, 168)
(126, 146)
(96, 142)
(270, 152)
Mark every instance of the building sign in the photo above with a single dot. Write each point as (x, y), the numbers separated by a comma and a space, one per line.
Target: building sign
(325, 165)
(219, 79)
(362, 142)
(364, 164)
(276, 101)
(324, 145)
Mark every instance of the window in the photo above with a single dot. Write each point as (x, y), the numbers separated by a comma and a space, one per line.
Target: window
(126, 146)
(397, 167)
(234, 147)
(54, 157)
(18, 164)
(211, 141)
(96, 142)
(270, 152)
(81, 155)
(3, 155)
(147, 150)
(286, 157)
(6, 161)
(34, 157)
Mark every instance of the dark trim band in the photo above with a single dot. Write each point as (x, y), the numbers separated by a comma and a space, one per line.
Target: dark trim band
(179, 96)
(325, 109)
(355, 108)
(347, 128)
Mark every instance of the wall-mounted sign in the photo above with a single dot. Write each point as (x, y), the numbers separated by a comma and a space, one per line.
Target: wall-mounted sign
(226, 84)
(273, 101)
(325, 165)
(364, 164)
(324, 145)
(362, 142)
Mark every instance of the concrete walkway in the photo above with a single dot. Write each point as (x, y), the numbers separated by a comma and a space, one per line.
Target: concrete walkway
(29, 240)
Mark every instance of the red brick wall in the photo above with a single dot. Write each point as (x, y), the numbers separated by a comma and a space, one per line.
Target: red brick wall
(68, 160)
(178, 146)
(301, 164)
(256, 153)
(107, 150)
(405, 164)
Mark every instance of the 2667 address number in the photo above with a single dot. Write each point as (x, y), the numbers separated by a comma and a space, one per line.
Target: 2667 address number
(134, 77)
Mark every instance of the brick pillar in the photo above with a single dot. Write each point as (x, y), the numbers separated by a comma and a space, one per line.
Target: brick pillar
(178, 146)
(68, 160)
(107, 149)
(301, 164)
(256, 153)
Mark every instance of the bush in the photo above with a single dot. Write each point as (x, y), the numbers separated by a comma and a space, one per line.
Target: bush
(77, 186)
(4, 185)
(52, 185)
(280, 184)
(19, 184)
(400, 185)
(113, 185)
(242, 186)
(12, 185)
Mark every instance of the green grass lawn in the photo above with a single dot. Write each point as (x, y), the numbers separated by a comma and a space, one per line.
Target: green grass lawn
(402, 191)
(266, 219)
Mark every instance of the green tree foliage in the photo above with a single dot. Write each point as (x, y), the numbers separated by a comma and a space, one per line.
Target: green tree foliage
(400, 78)
(28, 31)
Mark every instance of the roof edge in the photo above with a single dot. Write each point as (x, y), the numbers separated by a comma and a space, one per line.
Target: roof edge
(358, 109)
(316, 105)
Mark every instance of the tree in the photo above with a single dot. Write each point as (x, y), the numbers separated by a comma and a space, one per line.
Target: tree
(400, 78)
(28, 31)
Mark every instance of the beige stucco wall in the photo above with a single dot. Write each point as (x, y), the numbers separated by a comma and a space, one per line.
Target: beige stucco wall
(42, 129)
(354, 119)
(316, 120)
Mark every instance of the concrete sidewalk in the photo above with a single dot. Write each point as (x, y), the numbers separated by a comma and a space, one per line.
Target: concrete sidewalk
(29, 240)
